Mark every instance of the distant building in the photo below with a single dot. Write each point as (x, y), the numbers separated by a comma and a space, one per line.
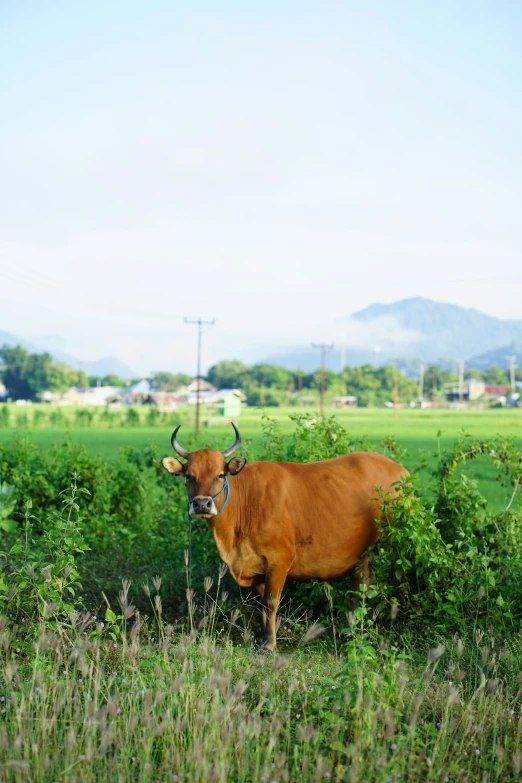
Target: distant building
(192, 387)
(348, 401)
(471, 390)
(3, 392)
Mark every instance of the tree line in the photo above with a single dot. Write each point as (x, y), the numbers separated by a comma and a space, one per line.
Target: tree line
(27, 375)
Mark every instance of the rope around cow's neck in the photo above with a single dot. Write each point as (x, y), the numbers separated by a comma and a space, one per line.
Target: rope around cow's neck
(226, 489)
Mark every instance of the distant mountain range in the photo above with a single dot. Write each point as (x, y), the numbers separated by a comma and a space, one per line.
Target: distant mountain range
(413, 331)
(498, 357)
(108, 365)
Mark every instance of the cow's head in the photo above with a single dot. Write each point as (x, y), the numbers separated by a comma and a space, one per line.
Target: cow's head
(205, 472)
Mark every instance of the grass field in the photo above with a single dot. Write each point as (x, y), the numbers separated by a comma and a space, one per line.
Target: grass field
(168, 685)
(415, 430)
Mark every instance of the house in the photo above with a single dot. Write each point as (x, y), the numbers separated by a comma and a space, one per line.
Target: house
(229, 402)
(192, 387)
(348, 401)
(471, 390)
(139, 392)
(165, 400)
(3, 392)
(98, 395)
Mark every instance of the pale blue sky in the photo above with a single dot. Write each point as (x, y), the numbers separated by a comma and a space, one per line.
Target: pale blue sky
(275, 165)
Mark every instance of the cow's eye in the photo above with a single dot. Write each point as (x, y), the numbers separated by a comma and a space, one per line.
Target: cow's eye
(188, 477)
(221, 476)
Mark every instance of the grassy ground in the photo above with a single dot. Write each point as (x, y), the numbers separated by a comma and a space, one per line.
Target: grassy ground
(415, 430)
(205, 708)
(368, 699)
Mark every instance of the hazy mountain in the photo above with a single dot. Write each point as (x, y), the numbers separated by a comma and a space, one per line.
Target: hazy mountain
(6, 338)
(443, 330)
(412, 331)
(108, 365)
(498, 357)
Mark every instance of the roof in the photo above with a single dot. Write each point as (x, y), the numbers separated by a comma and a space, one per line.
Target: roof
(497, 389)
(225, 392)
(142, 387)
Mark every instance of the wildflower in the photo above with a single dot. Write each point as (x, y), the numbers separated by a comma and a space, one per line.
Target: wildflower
(333, 687)
(82, 757)
(477, 751)
(511, 712)
(207, 583)
(393, 746)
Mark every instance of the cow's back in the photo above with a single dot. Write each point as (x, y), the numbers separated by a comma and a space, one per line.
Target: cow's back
(323, 513)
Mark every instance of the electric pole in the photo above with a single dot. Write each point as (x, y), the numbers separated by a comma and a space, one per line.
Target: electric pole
(323, 348)
(421, 382)
(461, 380)
(199, 322)
(512, 365)
(396, 395)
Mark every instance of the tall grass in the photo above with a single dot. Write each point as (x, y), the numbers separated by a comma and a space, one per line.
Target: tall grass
(164, 707)
(421, 681)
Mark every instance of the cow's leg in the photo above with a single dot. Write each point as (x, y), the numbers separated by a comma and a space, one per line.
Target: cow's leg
(261, 592)
(275, 581)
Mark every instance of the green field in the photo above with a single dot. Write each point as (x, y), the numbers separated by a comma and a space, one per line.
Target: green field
(114, 680)
(416, 431)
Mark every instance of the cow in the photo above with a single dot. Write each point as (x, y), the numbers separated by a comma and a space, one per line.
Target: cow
(274, 521)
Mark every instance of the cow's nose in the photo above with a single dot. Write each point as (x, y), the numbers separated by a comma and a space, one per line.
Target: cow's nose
(202, 504)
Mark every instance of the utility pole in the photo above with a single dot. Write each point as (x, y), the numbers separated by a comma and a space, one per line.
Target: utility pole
(421, 382)
(461, 380)
(199, 322)
(512, 365)
(396, 395)
(323, 348)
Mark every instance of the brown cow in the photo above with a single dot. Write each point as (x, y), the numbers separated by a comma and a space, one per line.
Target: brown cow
(273, 520)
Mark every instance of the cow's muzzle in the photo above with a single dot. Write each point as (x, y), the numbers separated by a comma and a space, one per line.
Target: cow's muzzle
(202, 507)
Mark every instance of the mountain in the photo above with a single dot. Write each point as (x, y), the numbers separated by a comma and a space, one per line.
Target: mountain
(413, 331)
(443, 330)
(108, 365)
(6, 338)
(498, 357)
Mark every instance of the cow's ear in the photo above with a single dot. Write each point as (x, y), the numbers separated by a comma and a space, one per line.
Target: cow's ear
(236, 465)
(173, 465)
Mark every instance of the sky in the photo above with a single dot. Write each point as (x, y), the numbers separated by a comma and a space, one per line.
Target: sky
(275, 166)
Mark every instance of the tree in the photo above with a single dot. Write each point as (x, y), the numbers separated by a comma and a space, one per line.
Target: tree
(228, 374)
(27, 375)
(168, 381)
(270, 376)
(494, 375)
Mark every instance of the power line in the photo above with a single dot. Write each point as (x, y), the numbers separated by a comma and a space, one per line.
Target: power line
(199, 323)
(323, 348)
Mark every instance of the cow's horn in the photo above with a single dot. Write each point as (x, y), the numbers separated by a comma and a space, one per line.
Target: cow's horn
(175, 445)
(230, 451)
